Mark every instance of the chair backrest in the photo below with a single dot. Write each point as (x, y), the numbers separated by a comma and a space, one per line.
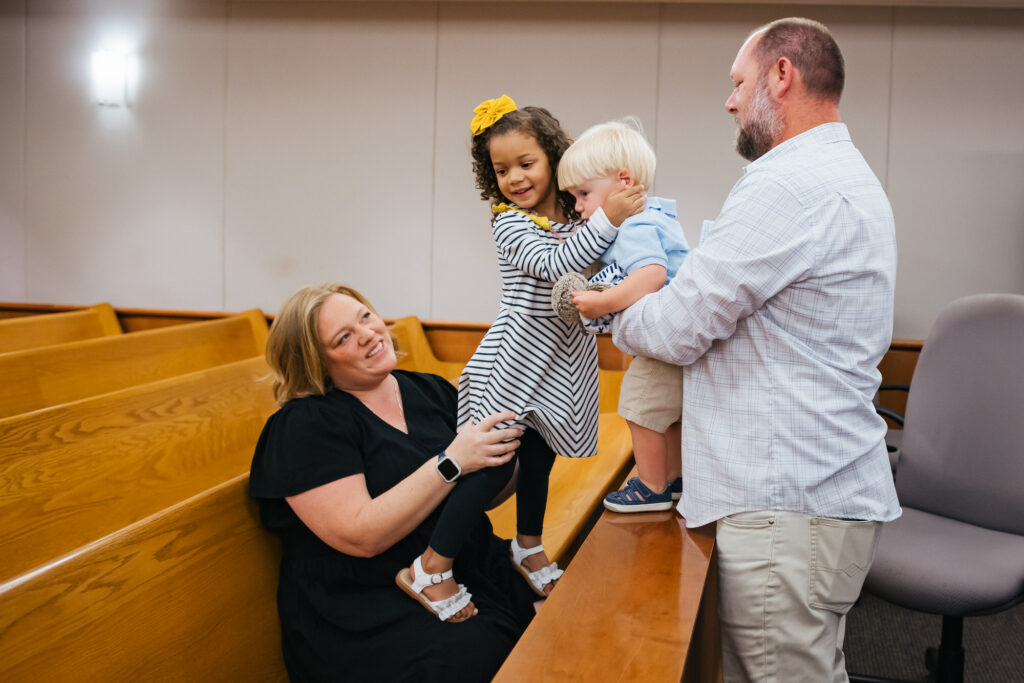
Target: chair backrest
(963, 441)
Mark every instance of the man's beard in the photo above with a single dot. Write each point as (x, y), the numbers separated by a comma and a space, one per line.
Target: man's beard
(757, 135)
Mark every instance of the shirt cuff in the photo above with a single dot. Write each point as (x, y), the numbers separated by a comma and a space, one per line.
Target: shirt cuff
(601, 224)
(646, 261)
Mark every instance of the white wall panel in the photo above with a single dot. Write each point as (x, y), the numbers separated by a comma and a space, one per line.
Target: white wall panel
(12, 150)
(957, 159)
(123, 205)
(275, 143)
(330, 125)
(698, 164)
(585, 63)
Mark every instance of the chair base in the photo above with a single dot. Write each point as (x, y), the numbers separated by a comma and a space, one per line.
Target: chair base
(945, 664)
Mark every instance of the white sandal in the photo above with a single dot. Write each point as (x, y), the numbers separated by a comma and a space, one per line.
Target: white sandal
(444, 609)
(539, 578)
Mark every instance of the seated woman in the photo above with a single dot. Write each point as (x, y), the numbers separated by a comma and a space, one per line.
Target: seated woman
(363, 475)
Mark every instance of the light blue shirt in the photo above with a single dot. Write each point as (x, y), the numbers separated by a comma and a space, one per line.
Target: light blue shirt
(653, 236)
(781, 316)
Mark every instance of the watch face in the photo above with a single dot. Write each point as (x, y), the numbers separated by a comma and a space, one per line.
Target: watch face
(448, 469)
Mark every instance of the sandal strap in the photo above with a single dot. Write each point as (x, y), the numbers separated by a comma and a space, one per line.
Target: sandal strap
(445, 608)
(545, 575)
(450, 605)
(422, 579)
(542, 576)
(634, 490)
(519, 553)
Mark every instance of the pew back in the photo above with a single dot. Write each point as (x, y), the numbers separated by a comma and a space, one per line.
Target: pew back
(58, 328)
(76, 472)
(51, 375)
(185, 594)
(415, 352)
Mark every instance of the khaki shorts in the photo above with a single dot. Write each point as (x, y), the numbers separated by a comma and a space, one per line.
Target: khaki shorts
(652, 394)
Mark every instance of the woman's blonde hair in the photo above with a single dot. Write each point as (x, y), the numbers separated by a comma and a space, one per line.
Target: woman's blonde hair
(604, 149)
(298, 366)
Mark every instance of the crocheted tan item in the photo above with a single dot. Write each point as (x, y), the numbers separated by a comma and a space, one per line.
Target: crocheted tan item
(561, 296)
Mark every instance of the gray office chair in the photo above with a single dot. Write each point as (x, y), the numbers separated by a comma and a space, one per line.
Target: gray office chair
(958, 549)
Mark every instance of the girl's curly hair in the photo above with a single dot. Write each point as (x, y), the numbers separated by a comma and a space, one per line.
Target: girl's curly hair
(545, 129)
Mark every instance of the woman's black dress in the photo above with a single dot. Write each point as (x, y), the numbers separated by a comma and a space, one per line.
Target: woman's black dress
(342, 617)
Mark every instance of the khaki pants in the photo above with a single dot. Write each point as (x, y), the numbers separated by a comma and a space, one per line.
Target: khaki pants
(786, 582)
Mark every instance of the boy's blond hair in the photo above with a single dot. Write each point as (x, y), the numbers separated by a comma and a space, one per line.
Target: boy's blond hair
(606, 148)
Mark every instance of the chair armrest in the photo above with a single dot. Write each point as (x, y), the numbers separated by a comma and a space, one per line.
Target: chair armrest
(891, 414)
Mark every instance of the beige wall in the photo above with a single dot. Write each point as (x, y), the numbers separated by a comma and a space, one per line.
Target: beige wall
(270, 144)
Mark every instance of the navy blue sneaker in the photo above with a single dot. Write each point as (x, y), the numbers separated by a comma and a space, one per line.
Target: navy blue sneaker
(676, 485)
(636, 497)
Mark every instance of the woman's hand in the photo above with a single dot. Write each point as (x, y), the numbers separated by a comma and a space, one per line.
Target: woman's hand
(344, 516)
(480, 445)
(623, 203)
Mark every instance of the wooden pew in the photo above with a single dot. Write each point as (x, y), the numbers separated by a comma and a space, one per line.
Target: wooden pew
(186, 594)
(415, 352)
(57, 328)
(51, 375)
(638, 603)
(73, 473)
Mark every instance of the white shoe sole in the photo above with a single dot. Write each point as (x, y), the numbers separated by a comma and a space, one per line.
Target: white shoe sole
(642, 507)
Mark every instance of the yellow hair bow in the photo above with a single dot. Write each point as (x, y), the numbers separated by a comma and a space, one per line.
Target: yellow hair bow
(542, 221)
(486, 113)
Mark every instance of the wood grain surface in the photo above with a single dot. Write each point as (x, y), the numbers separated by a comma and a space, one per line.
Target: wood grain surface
(73, 473)
(51, 375)
(628, 608)
(57, 328)
(184, 595)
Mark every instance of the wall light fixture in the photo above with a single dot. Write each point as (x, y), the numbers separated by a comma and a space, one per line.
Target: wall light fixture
(110, 78)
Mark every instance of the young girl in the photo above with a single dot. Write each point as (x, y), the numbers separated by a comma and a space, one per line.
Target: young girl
(530, 361)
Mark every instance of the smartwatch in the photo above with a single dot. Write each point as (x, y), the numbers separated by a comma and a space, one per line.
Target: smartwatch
(448, 468)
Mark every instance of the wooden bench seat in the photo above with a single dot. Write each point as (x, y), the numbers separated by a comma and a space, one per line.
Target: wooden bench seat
(638, 603)
(186, 594)
(33, 331)
(51, 375)
(73, 473)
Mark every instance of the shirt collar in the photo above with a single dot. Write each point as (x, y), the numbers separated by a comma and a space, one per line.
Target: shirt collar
(819, 135)
(665, 206)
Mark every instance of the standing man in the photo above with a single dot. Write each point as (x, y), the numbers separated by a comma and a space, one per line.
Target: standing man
(780, 317)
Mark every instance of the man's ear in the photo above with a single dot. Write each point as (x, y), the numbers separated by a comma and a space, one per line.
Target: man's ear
(624, 177)
(782, 75)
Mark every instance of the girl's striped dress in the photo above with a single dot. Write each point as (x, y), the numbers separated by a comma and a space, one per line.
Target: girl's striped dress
(530, 361)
